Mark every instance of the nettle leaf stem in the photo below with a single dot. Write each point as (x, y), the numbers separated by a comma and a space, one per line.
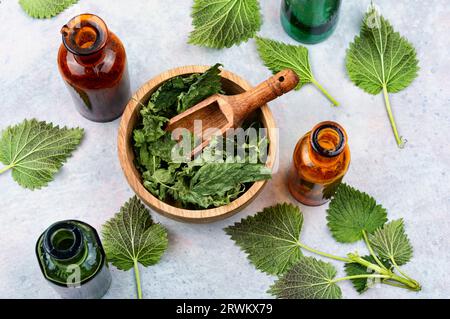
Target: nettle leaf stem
(4, 169)
(403, 281)
(407, 282)
(321, 253)
(400, 140)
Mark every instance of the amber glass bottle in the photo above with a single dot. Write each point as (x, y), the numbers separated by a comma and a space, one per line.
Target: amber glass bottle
(321, 159)
(92, 62)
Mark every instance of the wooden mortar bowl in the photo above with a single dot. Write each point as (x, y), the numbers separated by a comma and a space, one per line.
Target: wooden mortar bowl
(232, 84)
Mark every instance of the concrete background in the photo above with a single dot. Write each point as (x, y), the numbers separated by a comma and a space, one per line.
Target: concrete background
(202, 262)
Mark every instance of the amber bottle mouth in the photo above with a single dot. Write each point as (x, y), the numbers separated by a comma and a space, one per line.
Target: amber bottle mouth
(328, 139)
(85, 34)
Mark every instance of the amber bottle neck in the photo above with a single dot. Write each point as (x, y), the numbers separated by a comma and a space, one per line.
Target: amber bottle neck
(85, 36)
(328, 140)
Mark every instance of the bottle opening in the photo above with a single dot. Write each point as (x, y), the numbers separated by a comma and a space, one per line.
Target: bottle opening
(328, 139)
(85, 34)
(86, 37)
(63, 240)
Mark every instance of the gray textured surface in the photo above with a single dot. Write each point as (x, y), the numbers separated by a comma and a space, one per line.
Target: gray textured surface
(202, 261)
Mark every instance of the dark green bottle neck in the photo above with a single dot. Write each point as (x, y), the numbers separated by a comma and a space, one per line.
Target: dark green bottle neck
(64, 243)
(309, 21)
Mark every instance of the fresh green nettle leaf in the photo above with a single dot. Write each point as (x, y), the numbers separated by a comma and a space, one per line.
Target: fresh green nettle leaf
(391, 242)
(308, 279)
(278, 56)
(352, 213)
(380, 59)
(35, 151)
(42, 9)
(131, 237)
(270, 238)
(356, 269)
(224, 23)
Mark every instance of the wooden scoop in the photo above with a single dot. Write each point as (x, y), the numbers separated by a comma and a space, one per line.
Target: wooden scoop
(222, 112)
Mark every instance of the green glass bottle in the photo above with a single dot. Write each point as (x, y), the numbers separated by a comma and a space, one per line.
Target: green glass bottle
(309, 21)
(73, 261)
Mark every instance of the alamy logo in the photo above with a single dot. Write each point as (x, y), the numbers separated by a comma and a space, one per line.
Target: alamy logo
(373, 20)
(235, 145)
(74, 279)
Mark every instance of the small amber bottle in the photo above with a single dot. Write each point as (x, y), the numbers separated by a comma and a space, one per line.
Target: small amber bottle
(93, 63)
(321, 159)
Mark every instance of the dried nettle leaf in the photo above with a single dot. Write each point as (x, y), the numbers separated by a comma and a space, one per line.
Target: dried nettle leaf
(224, 23)
(213, 178)
(35, 151)
(380, 59)
(131, 238)
(192, 185)
(205, 85)
(42, 9)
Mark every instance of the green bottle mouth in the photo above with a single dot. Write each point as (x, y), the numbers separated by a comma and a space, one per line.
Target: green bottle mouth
(63, 240)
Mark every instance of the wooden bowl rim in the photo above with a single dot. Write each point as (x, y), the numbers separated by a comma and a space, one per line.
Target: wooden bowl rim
(134, 179)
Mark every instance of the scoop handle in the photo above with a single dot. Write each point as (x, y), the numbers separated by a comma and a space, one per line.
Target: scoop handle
(277, 85)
